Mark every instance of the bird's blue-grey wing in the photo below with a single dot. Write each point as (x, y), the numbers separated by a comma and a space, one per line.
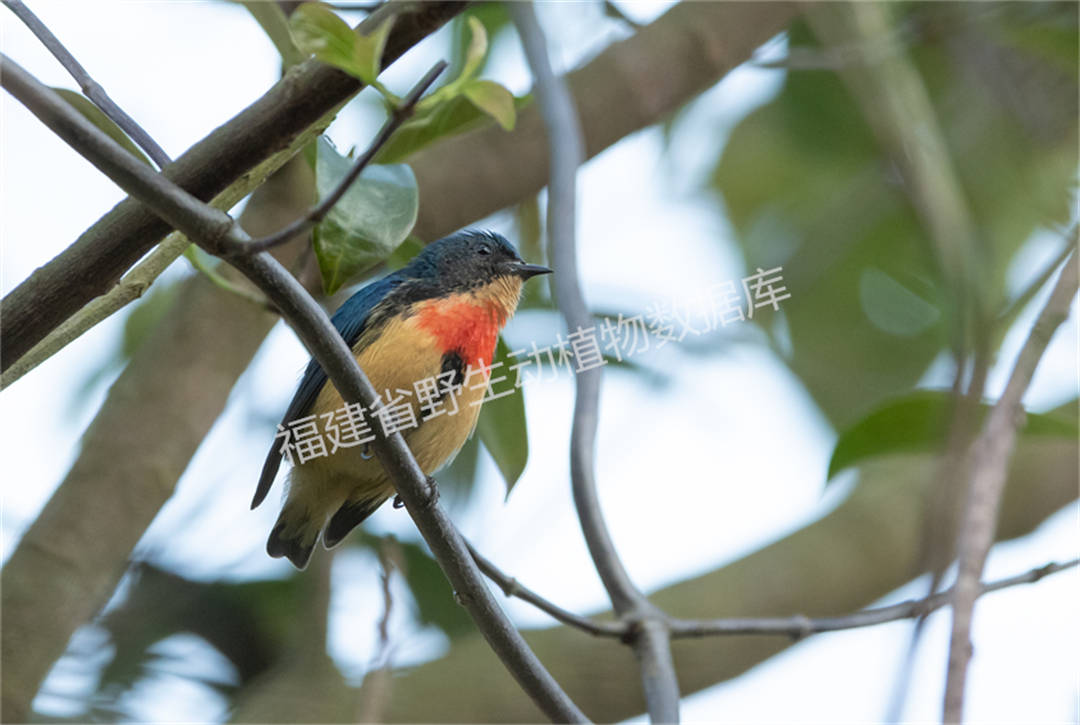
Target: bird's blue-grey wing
(350, 320)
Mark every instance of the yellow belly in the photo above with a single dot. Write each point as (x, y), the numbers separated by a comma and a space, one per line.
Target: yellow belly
(321, 485)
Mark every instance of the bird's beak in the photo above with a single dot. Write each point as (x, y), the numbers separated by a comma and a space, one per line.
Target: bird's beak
(525, 271)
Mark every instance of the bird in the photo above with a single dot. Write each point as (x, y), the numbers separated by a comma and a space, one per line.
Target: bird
(435, 319)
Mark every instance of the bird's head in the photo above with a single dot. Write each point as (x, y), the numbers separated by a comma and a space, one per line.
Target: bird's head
(464, 278)
(469, 260)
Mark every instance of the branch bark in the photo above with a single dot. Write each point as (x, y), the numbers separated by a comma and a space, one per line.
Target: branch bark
(66, 565)
(91, 265)
(843, 562)
(649, 638)
(69, 561)
(219, 234)
(991, 453)
(91, 88)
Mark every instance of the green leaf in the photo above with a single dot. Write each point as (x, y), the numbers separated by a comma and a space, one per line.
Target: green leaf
(478, 47)
(493, 100)
(434, 597)
(502, 427)
(449, 118)
(368, 51)
(495, 19)
(807, 185)
(96, 116)
(920, 422)
(317, 30)
(373, 217)
(272, 19)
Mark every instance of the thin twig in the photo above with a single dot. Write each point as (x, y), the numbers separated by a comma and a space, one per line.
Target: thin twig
(319, 212)
(799, 626)
(513, 588)
(990, 454)
(256, 141)
(90, 88)
(139, 278)
(941, 501)
(1013, 309)
(374, 693)
(355, 7)
(566, 152)
(215, 231)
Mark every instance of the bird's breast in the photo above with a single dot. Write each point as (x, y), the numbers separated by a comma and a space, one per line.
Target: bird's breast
(466, 324)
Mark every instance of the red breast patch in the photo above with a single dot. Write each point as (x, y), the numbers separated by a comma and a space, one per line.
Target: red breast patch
(462, 323)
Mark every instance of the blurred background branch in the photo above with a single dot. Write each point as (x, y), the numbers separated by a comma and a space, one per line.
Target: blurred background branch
(765, 170)
(304, 97)
(649, 637)
(90, 88)
(219, 234)
(991, 452)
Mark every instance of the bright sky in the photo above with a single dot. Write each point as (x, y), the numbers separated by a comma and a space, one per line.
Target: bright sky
(182, 68)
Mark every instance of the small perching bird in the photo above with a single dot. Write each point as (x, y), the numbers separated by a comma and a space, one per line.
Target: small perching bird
(418, 334)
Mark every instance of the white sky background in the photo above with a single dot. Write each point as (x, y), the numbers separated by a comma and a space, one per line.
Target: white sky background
(181, 69)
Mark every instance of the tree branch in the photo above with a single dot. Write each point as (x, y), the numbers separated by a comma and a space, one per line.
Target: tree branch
(130, 288)
(305, 96)
(397, 117)
(513, 588)
(219, 234)
(799, 626)
(566, 148)
(136, 281)
(66, 566)
(631, 85)
(177, 390)
(796, 626)
(91, 88)
(852, 556)
(991, 453)
(694, 43)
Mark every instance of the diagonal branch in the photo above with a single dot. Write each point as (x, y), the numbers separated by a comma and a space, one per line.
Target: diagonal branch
(566, 150)
(91, 88)
(177, 392)
(991, 453)
(695, 44)
(306, 95)
(216, 232)
(397, 117)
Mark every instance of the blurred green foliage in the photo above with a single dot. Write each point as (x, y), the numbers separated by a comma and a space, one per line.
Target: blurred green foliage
(920, 422)
(807, 186)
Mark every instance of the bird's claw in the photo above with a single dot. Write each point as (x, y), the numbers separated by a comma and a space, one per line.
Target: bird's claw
(432, 492)
(431, 499)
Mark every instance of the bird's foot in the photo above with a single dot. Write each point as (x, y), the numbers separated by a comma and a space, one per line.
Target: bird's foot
(430, 499)
(432, 492)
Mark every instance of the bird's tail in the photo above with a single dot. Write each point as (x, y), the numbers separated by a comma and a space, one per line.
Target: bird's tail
(294, 535)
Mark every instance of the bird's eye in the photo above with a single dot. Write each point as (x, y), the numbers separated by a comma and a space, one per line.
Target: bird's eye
(483, 249)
